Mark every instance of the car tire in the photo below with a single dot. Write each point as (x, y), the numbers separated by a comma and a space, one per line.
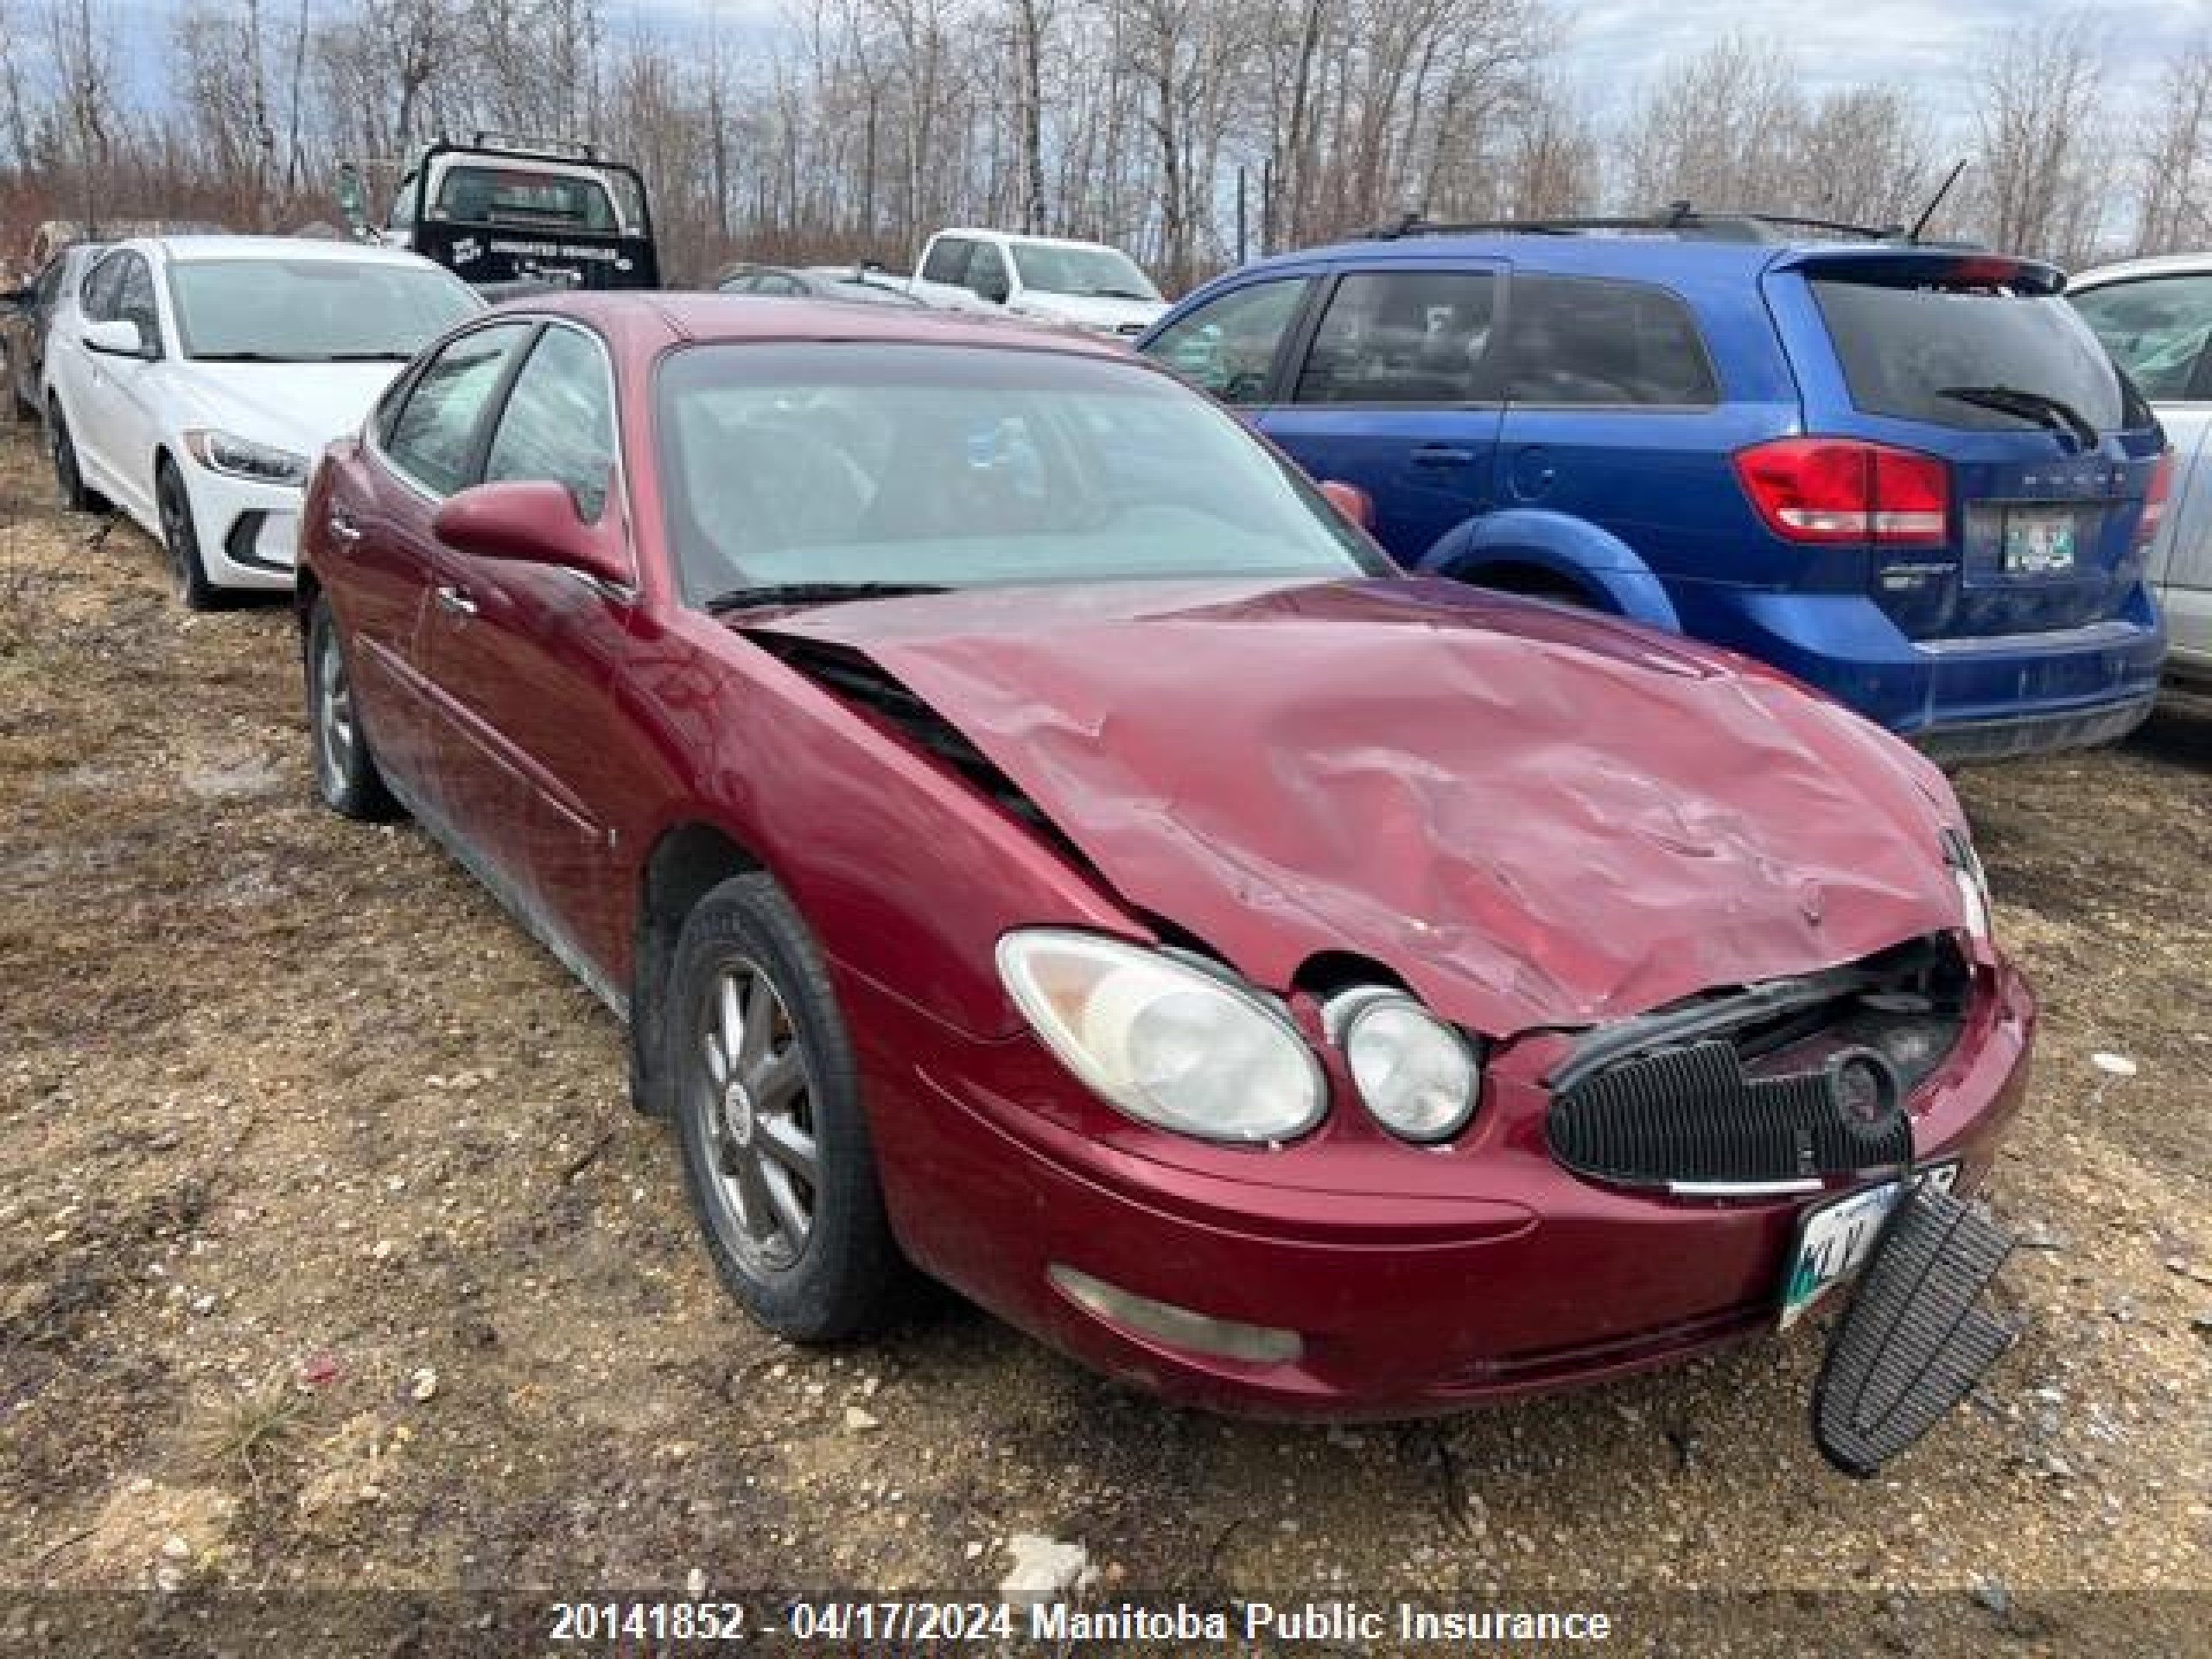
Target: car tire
(181, 540)
(346, 774)
(68, 476)
(777, 1156)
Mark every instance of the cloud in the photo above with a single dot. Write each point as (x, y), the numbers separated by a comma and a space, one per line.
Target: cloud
(1613, 48)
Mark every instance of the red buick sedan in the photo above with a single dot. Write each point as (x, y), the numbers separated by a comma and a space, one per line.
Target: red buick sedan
(1033, 835)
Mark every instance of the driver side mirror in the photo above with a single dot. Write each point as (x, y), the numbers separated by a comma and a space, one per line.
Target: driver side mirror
(533, 521)
(994, 288)
(17, 299)
(119, 337)
(1350, 500)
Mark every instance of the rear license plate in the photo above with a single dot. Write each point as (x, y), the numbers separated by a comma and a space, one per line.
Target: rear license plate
(1834, 1236)
(2038, 544)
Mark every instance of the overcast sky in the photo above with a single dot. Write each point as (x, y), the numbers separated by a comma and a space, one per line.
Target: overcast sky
(1610, 48)
(1613, 46)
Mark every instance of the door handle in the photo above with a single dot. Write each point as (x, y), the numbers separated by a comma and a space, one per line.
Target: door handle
(341, 524)
(455, 599)
(1442, 454)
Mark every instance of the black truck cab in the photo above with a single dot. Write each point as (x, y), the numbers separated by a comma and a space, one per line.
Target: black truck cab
(500, 213)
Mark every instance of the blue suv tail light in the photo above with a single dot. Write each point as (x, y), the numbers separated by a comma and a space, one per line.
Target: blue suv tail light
(1828, 490)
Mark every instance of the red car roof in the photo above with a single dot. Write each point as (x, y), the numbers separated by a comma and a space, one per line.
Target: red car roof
(640, 316)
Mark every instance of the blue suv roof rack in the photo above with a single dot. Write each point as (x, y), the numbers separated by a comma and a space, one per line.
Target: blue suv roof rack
(1681, 219)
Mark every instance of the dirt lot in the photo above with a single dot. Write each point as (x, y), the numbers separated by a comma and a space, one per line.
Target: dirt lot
(349, 1309)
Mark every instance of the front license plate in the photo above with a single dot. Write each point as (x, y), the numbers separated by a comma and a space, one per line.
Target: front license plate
(2038, 544)
(1833, 1237)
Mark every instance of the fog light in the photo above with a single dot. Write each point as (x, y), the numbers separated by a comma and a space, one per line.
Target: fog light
(1179, 1327)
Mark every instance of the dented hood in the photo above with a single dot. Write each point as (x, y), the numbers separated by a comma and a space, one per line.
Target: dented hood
(1536, 816)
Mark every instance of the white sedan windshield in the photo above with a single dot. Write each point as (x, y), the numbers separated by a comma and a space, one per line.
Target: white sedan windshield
(313, 310)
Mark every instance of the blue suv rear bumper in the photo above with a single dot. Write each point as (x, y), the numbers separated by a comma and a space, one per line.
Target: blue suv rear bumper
(1959, 699)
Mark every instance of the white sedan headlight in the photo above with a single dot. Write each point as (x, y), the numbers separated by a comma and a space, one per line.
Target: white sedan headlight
(1417, 1074)
(219, 452)
(1167, 1042)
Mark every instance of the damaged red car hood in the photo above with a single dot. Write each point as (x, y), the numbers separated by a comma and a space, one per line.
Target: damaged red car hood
(1536, 817)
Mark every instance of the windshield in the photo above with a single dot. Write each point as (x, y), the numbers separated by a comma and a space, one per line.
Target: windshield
(1101, 271)
(963, 466)
(1952, 357)
(313, 310)
(486, 196)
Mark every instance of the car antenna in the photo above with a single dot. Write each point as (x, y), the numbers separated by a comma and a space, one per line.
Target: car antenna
(1937, 201)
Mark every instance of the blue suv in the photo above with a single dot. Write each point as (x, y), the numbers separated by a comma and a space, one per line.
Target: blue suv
(1907, 474)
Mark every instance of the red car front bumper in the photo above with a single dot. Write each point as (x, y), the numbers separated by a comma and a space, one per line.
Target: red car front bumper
(1417, 1279)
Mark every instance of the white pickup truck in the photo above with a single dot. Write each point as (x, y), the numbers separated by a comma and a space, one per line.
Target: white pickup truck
(1047, 279)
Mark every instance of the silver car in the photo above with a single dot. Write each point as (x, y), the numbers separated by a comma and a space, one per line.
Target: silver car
(27, 317)
(2155, 317)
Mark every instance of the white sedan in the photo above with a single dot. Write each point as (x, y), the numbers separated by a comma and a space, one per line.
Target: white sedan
(2155, 317)
(198, 378)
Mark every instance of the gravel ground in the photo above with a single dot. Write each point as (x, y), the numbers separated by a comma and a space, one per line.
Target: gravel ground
(349, 1309)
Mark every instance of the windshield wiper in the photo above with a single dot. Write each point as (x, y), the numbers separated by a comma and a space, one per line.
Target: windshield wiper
(1120, 294)
(244, 356)
(366, 357)
(2037, 406)
(815, 593)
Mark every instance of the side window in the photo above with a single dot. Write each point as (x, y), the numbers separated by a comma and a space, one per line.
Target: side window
(49, 283)
(2159, 329)
(1227, 346)
(744, 282)
(135, 300)
(402, 204)
(103, 288)
(559, 421)
(987, 273)
(948, 261)
(432, 434)
(1581, 341)
(1403, 337)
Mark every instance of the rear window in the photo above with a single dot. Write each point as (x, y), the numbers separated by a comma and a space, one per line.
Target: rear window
(2159, 329)
(1950, 357)
(484, 195)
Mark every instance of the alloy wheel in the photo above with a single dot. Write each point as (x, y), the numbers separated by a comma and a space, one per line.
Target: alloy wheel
(334, 715)
(756, 1110)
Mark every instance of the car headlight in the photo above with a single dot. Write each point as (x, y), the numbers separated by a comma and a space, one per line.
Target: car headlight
(1971, 880)
(1418, 1074)
(219, 452)
(1167, 1042)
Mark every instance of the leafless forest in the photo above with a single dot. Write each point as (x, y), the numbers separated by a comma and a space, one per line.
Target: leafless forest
(852, 127)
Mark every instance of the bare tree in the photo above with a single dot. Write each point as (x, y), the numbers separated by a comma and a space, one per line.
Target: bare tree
(2041, 93)
(1863, 155)
(1033, 23)
(855, 127)
(2176, 207)
(1714, 129)
(83, 56)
